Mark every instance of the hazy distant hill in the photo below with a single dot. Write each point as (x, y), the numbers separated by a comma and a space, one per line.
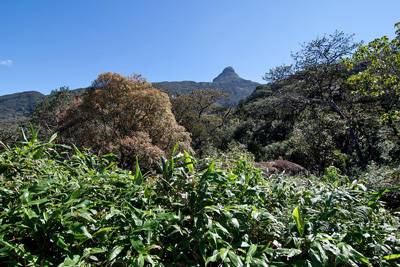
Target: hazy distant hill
(18, 105)
(228, 82)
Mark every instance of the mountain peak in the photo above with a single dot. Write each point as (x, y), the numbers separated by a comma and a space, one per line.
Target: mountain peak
(227, 74)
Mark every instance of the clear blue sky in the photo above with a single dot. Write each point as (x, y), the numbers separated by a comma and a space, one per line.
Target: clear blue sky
(46, 44)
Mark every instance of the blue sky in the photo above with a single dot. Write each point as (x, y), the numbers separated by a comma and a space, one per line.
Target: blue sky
(48, 44)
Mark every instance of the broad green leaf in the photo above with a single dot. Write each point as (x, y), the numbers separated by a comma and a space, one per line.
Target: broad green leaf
(38, 153)
(138, 173)
(298, 220)
(25, 197)
(322, 252)
(154, 246)
(82, 230)
(97, 250)
(235, 259)
(223, 229)
(235, 223)
(213, 258)
(315, 257)
(149, 259)
(392, 257)
(223, 253)
(252, 249)
(39, 201)
(359, 256)
(289, 252)
(140, 260)
(101, 230)
(137, 244)
(112, 213)
(93, 258)
(52, 138)
(188, 160)
(148, 225)
(175, 148)
(6, 244)
(114, 253)
(87, 217)
(209, 170)
(30, 213)
(61, 243)
(68, 262)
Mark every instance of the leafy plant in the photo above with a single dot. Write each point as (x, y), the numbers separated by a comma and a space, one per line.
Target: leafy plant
(83, 210)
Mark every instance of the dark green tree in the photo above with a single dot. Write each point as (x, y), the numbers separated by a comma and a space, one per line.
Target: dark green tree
(46, 115)
(320, 78)
(199, 112)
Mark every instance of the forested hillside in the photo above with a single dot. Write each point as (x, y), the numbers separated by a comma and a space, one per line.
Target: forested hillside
(227, 82)
(18, 105)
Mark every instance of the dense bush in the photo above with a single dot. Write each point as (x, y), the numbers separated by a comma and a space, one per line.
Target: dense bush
(382, 177)
(84, 211)
(125, 116)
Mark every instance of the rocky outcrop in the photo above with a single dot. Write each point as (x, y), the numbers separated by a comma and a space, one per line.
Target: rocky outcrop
(279, 166)
(227, 75)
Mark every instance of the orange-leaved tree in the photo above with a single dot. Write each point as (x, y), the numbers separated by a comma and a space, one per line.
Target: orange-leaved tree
(125, 116)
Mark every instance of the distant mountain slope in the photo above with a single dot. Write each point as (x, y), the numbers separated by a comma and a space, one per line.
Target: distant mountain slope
(228, 82)
(15, 106)
(18, 105)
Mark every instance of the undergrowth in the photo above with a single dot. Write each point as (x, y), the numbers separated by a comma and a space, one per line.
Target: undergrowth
(83, 210)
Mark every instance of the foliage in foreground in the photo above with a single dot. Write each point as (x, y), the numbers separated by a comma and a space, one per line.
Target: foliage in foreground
(83, 211)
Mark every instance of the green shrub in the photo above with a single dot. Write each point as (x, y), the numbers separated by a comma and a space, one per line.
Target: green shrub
(84, 211)
(381, 177)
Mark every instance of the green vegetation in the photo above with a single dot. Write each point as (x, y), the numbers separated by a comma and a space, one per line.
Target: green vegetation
(47, 113)
(320, 111)
(85, 211)
(80, 198)
(198, 111)
(382, 76)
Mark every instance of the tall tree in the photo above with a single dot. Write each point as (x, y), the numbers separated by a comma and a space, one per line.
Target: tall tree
(198, 111)
(125, 116)
(381, 79)
(46, 115)
(319, 76)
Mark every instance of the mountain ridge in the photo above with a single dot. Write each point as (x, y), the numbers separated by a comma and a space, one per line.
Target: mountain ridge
(228, 81)
(18, 105)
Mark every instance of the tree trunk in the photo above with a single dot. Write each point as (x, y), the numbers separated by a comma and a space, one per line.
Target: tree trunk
(361, 159)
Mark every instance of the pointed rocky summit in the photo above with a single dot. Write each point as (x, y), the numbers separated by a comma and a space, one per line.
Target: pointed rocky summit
(228, 74)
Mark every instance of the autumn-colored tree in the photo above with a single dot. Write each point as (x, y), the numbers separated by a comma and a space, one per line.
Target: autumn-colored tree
(125, 116)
